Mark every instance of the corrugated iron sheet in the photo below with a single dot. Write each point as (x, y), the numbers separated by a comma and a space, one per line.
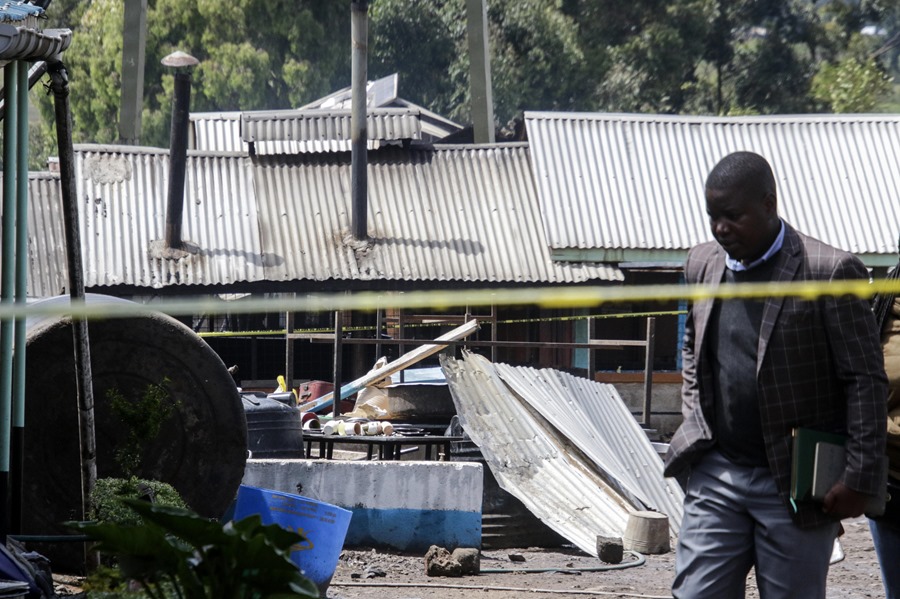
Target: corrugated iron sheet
(531, 461)
(452, 214)
(323, 125)
(216, 132)
(124, 193)
(297, 131)
(593, 416)
(621, 181)
(47, 272)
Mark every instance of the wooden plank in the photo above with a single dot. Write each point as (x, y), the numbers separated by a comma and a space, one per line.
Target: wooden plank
(404, 361)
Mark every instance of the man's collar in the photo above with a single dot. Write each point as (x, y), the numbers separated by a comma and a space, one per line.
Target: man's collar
(737, 265)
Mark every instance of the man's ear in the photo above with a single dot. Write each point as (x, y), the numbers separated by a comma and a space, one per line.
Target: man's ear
(770, 201)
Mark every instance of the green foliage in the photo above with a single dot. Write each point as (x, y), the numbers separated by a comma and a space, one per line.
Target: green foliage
(143, 418)
(850, 85)
(251, 58)
(673, 56)
(106, 501)
(176, 553)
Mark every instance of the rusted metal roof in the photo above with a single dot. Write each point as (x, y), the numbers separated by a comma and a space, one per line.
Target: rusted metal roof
(450, 215)
(622, 187)
(571, 476)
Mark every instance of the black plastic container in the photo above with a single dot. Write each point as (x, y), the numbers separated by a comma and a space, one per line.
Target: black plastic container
(274, 429)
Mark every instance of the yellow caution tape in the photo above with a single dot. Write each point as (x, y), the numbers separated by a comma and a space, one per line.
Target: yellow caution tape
(544, 297)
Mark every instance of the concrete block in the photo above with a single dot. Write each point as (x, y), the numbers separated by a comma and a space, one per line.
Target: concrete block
(403, 505)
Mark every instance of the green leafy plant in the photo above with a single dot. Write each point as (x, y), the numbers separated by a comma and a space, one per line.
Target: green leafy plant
(106, 503)
(177, 553)
(143, 417)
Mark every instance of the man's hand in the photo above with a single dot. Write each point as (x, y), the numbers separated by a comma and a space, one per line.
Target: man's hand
(843, 502)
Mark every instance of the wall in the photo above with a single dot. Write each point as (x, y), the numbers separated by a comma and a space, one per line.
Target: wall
(403, 505)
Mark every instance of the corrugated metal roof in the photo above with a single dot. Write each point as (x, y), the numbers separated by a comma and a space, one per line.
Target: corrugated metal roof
(620, 181)
(47, 272)
(21, 35)
(297, 131)
(531, 461)
(449, 214)
(123, 213)
(385, 124)
(445, 215)
(594, 417)
(216, 132)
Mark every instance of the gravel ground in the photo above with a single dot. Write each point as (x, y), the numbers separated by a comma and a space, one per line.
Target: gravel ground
(371, 574)
(553, 573)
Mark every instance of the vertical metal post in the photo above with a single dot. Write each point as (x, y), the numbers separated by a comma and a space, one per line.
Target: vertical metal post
(591, 361)
(18, 391)
(358, 129)
(133, 45)
(648, 368)
(289, 351)
(401, 332)
(7, 283)
(493, 332)
(59, 84)
(480, 71)
(379, 323)
(338, 359)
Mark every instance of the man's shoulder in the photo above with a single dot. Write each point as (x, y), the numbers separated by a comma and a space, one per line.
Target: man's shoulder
(704, 250)
(820, 255)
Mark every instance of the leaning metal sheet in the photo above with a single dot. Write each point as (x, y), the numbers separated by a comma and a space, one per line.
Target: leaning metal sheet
(531, 461)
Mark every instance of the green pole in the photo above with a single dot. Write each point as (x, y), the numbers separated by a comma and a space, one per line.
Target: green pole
(7, 281)
(17, 447)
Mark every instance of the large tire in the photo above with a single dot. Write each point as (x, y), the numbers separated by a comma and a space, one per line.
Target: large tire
(201, 449)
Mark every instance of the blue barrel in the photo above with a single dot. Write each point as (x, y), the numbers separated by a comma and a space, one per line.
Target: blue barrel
(323, 525)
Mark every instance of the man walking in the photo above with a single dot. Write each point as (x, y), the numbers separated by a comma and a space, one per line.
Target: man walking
(754, 369)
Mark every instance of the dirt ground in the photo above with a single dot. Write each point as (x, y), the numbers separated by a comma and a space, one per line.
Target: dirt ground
(371, 574)
(554, 573)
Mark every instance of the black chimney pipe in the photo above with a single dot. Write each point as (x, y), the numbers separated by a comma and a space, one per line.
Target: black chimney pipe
(359, 15)
(178, 159)
(178, 145)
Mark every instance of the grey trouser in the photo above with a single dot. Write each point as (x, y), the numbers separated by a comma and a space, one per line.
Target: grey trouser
(734, 520)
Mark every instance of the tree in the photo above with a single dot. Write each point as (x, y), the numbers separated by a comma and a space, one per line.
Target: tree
(536, 62)
(251, 58)
(672, 56)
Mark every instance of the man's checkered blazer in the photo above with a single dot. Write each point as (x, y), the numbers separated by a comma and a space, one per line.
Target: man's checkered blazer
(819, 365)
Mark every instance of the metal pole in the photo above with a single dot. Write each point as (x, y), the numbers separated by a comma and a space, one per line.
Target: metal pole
(648, 368)
(480, 71)
(379, 323)
(18, 391)
(7, 284)
(289, 351)
(59, 84)
(358, 130)
(338, 354)
(591, 361)
(177, 159)
(133, 52)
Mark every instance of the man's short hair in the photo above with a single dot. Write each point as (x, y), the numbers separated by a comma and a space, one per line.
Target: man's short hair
(745, 170)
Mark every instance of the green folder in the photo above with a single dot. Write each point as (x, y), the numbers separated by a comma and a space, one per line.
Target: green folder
(803, 459)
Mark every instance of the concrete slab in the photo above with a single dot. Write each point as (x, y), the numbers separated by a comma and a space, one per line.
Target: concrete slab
(402, 505)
